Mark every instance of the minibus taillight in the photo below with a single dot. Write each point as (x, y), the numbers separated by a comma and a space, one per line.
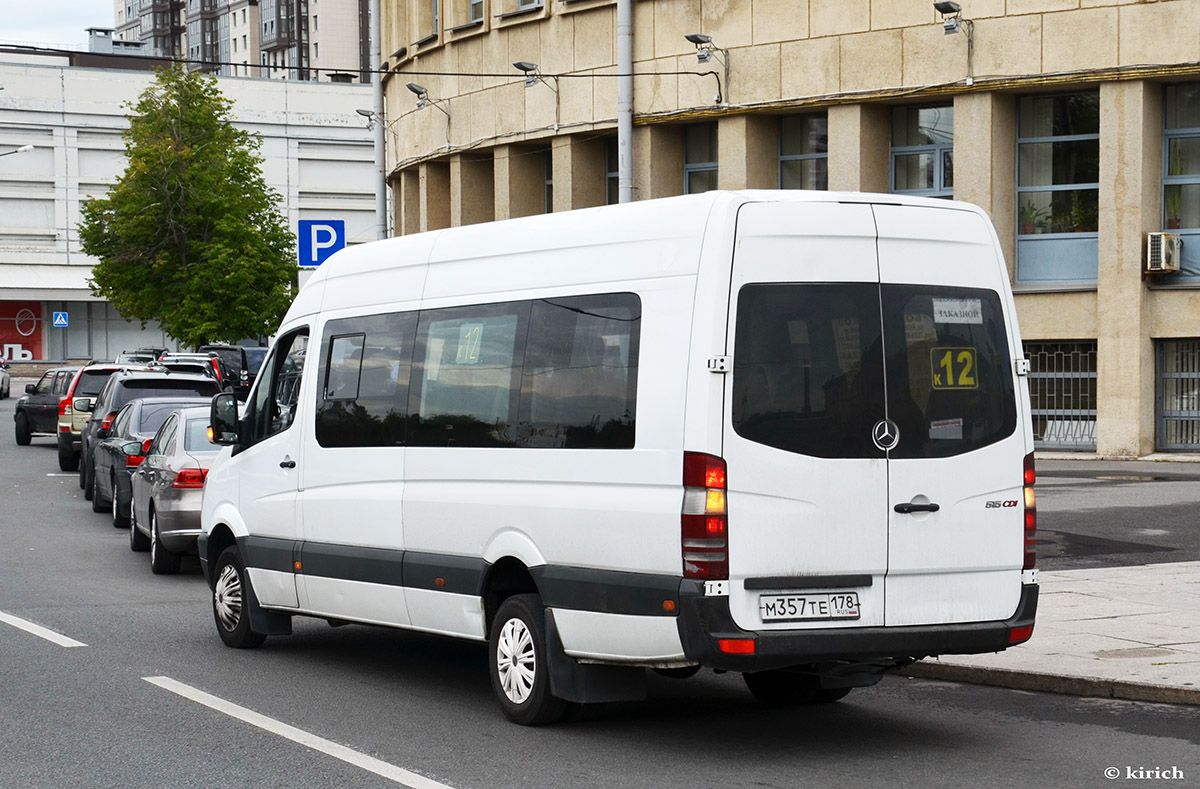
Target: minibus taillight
(1030, 515)
(704, 521)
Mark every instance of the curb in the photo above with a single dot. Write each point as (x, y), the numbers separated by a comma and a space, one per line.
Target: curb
(1054, 683)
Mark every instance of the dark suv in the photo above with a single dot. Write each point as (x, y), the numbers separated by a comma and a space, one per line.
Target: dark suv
(238, 365)
(37, 411)
(120, 389)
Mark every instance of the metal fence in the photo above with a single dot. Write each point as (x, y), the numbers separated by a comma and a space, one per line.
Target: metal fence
(1177, 394)
(1062, 389)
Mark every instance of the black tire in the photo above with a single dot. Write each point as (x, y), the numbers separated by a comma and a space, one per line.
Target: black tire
(120, 515)
(98, 504)
(162, 561)
(23, 433)
(517, 662)
(85, 480)
(68, 459)
(231, 586)
(138, 542)
(684, 672)
(781, 688)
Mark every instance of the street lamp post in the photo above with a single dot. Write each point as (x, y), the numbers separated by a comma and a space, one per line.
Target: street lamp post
(22, 149)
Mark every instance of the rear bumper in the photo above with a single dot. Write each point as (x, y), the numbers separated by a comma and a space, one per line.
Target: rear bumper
(703, 621)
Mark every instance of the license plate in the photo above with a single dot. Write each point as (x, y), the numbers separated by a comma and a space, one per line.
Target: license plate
(802, 607)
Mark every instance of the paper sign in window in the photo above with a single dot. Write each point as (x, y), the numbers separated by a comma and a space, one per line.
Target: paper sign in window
(958, 311)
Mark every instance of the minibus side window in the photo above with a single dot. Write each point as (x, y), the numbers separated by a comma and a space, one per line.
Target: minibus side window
(363, 397)
(579, 387)
(467, 376)
(275, 400)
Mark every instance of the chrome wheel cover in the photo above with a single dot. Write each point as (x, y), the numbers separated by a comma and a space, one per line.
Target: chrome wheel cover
(516, 661)
(227, 598)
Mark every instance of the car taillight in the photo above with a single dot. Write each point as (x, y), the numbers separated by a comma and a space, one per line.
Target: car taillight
(1030, 515)
(107, 421)
(216, 369)
(704, 520)
(132, 461)
(64, 407)
(189, 478)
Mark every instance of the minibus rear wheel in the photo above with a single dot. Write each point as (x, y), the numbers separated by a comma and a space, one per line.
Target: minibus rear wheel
(781, 688)
(518, 665)
(230, 600)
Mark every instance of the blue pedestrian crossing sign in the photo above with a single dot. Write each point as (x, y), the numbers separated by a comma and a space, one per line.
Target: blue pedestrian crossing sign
(60, 320)
(320, 238)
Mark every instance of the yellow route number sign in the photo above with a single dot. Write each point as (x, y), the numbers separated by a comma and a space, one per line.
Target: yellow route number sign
(954, 368)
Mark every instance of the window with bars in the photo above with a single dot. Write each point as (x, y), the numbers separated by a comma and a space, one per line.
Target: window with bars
(1177, 394)
(1062, 393)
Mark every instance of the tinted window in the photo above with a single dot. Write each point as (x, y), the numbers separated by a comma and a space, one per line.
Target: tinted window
(155, 388)
(255, 357)
(274, 406)
(364, 381)
(44, 384)
(579, 386)
(950, 387)
(120, 426)
(468, 376)
(808, 368)
(154, 414)
(166, 434)
(90, 383)
(231, 356)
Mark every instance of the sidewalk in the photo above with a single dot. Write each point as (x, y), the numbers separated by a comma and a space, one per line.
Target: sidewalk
(1117, 632)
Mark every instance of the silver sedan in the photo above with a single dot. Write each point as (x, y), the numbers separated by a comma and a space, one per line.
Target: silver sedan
(167, 488)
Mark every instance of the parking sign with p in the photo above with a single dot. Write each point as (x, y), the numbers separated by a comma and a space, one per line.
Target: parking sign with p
(320, 238)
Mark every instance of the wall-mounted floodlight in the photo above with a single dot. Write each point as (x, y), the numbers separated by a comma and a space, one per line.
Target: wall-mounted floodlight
(705, 49)
(424, 101)
(400, 53)
(22, 149)
(533, 76)
(952, 22)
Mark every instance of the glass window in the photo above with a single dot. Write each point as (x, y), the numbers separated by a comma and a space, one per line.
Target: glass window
(923, 151)
(804, 152)
(1058, 184)
(153, 416)
(44, 384)
(120, 425)
(579, 385)
(274, 404)
(195, 437)
(1181, 179)
(468, 376)
(474, 10)
(809, 368)
(163, 441)
(549, 172)
(699, 158)
(365, 381)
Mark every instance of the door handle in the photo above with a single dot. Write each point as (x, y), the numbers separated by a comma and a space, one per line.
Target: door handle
(287, 463)
(907, 508)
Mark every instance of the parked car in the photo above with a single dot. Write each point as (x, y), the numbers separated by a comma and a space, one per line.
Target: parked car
(214, 366)
(168, 487)
(139, 356)
(135, 425)
(86, 385)
(238, 363)
(5, 380)
(122, 387)
(36, 413)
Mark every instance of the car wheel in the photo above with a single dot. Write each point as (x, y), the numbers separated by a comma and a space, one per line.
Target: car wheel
(781, 688)
(231, 591)
(137, 541)
(518, 663)
(85, 480)
(97, 502)
(68, 459)
(120, 515)
(162, 561)
(22, 427)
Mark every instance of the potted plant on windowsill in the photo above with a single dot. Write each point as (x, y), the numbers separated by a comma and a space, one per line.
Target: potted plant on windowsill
(1173, 207)
(1084, 217)
(1033, 219)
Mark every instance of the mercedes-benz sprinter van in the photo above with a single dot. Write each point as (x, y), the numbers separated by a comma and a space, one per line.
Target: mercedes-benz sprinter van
(781, 433)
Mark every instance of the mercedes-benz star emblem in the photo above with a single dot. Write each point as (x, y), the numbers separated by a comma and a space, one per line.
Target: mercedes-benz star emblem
(885, 434)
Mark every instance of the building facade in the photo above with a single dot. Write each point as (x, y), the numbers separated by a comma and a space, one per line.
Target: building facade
(317, 156)
(1074, 123)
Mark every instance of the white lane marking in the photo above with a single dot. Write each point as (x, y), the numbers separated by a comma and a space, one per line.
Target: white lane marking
(39, 631)
(62, 475)
(348, 755)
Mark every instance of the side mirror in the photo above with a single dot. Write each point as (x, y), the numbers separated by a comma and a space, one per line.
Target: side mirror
(29, 388)
(132, 449)
(82, 404)
(223, 417)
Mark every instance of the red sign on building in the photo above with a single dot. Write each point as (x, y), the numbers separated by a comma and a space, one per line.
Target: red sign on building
(20, 330)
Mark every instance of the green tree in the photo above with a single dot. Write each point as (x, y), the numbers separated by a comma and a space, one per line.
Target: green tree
(190, 235)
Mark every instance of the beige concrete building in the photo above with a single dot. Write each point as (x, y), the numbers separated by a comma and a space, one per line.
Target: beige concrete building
(1074, 123)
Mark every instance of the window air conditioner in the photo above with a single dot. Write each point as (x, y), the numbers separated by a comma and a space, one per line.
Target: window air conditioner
(1163, 251)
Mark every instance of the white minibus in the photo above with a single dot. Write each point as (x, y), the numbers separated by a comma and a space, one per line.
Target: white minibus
(782, 433)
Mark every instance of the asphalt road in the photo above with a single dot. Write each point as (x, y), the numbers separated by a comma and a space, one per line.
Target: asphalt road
(99, 715)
